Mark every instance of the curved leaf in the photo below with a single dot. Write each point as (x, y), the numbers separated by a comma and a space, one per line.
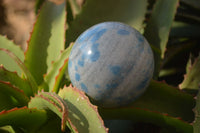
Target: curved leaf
(142, 115)
(82, 113)
(158, 28)
(192, 77)
(47, 39)
(15, 80)
(166, 99)
(57, 71)
(51, 101)
(196, 122)
(28, 75)
(10, 90)
(131, 12)
(6, 60)
(6, 102)
(29, 119)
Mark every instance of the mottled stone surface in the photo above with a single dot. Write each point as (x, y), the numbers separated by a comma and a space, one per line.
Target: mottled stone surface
(111, 62)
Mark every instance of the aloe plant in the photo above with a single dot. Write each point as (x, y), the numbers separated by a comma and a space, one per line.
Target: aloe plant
(35, 90)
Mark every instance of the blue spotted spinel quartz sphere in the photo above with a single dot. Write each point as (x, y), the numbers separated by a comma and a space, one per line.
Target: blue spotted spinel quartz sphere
(112, 63)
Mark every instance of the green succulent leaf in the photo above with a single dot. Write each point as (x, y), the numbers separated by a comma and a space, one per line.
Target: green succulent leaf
(47, 39)
(82, 113)
(192, 3)
(9, 89)
(57, 71)
(28, 119)
(147, 116)
(6, 102)
(163, 98)
(158, 29)
(6, 60)
(76, 9)
(22, 66)
(196, 122)
(181, 29)
(7, 129)
(15, 80)
(162, 105)
(131, 12)
(51, 101)
(192, 77)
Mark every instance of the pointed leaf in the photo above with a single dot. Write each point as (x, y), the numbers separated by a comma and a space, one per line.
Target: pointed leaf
(47, 39)
(7, 129)
(193, 3)
(5, 59)
(29, 119)
(15, 80)
(6, 102)
(192, 77)
(57, 71)
(131, 12)
(82, 113)
(9, 89)
(146, 116)
(196, 122)
(181, 29)
(166, 99)
(158, 28)
(27, 74)
(53, 102)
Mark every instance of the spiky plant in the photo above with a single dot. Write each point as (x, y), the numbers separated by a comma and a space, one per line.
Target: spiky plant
(35, 91)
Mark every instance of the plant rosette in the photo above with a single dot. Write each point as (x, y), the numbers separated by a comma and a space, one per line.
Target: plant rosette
(112, 63)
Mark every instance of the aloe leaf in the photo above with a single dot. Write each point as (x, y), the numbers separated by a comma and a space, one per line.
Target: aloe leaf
(52, 125)
(196, 122)
(9, 89)
(76, 9)
(158, 28)
(131, 12)
(192, 3)
(192, 77)
(47, 39)
(57, 71)
(82, 113)
(28, 75)
(181, 29)
(7, 129)
(28, 119)
(6, 102)
(51, 101)
(146, 116)
(166, 99)
(15, 80)
(7, 60)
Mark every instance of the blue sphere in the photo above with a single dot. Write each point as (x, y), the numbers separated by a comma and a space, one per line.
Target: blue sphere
(112, 63)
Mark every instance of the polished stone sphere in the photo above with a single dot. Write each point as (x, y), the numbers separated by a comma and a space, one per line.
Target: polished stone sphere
(112, 63)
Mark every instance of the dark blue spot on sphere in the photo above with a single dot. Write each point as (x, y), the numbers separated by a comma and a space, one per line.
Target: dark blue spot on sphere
(69, 63)
(97, 86)
(77, 77)
(95, 54)
(86, 35)
(76, 68)
(81, 63)
(98, 35)
(116, 70)
(111, 86)
(123, 32)
(84, 88)
(140, 38)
